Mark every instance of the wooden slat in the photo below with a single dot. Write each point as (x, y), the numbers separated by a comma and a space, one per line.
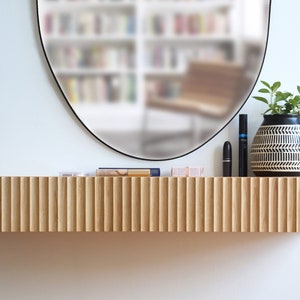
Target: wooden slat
(108, 204)
(164, 204)
(273, 204)
(5, 204)
(264, 205)
(172, 204)
(89, 204)
(15, 204)
(24, 204)
(181, 204)
(218, 205)
(145, 204)
(282, 204)
(227, 204)
(35, 195)
(135, 204)
(52, 204)
(154, 204)
(39, 189)
(117, 204)
(99, 204)
(71, 204)
(126, 204)
(190, 204)
(62, 204)
(199, 206)
(254, 205)
(245, 204)
(208, 205)
(236, 204)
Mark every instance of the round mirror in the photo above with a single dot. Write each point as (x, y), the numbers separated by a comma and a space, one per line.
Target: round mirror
(154, 79)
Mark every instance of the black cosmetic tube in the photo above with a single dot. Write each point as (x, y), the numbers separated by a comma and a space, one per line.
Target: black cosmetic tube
(243, 145)
(227, 159)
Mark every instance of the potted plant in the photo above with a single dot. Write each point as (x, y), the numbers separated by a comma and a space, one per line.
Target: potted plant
(275, 150)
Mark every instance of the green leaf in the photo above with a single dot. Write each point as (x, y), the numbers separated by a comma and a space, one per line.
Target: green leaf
(295, 101)
(265, 91)
(269, 109)
(266, 84)
(282, 96)
(298, 88)
(261, 99)
(275, 86)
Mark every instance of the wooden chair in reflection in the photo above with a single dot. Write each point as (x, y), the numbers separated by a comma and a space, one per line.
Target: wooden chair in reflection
(209, 89)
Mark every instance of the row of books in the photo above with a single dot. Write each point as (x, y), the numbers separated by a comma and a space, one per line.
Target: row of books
(91, 57)
(175, 57)
(140, 172)
(168, 89)
(168, 23)
(89, 23)
(150, 172)
(98, 89)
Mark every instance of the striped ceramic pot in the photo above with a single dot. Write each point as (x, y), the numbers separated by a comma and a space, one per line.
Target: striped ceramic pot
(275, 150)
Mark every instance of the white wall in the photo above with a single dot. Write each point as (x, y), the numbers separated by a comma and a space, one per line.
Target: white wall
(39, 136)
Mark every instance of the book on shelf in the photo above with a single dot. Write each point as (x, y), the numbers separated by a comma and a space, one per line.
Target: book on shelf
(88, 22)
(187, 23)
(99, 89)
(187, 171)
(131, 172)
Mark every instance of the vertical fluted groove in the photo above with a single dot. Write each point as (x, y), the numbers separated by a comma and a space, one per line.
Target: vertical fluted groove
(53, 197)
(245, 204)
(282, 204)
(273, 204)
(190, 204)
(236, 204)
(15, 204)
(199, 204)
(5, 204)
(181, 204)
(208, 204)
(35, 214)
(126, 204)
(172, 204)
(298, 204)
(108, 204)
(164, 204)
(218, 205)
(62, 204)
(80, 204)
(263, 204)
(117, 204)
(99, 204)
(145, 204)
(40, 187)
(227, 204)
(24, 204)
(154, 204)
(254, 204)
(71, 204)
(291, 205)
(89, 204)
(135, 204)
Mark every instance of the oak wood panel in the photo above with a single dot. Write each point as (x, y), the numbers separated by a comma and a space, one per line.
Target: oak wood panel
(155, 204)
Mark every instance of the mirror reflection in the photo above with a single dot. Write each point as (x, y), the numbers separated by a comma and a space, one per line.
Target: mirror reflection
(154, 79)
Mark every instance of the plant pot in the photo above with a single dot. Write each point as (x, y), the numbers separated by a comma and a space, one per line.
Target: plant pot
(275, 150)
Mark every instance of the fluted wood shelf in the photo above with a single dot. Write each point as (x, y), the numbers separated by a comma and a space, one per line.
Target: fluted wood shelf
(156, 204)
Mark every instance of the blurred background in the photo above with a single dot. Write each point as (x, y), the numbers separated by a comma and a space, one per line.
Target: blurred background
(127, 68)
